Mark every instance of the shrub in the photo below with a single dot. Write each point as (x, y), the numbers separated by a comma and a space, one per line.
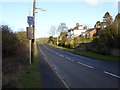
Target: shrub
(15, 56)
(72, 43)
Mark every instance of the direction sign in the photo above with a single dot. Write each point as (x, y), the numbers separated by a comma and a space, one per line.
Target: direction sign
(30, 20)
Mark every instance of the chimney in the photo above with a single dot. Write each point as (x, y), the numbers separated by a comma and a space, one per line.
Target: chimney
(77, 24)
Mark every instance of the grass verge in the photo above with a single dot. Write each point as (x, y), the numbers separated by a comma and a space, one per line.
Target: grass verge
(31, 78)
(89, 54)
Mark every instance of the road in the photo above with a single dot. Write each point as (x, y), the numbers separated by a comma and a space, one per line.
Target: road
(82, 72)
(48, 76)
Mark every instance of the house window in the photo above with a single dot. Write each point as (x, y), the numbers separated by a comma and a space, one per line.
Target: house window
(87, 35)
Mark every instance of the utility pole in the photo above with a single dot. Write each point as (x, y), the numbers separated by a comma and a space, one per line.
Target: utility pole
(32, 41)
(31, 31)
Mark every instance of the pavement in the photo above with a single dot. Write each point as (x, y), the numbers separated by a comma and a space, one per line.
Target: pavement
(77, 71)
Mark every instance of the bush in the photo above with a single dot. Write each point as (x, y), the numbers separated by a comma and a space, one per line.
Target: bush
(9, 42)
(15, 56)
(71, 43)
(107, 39)
(76, 41)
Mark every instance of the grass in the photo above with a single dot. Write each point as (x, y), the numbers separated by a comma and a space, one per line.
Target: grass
(89, 54)
(98, 56)
(31, 78)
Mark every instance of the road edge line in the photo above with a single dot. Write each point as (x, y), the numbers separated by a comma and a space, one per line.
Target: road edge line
(55, 71)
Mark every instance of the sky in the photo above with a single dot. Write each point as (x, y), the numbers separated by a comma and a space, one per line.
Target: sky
(87, 12)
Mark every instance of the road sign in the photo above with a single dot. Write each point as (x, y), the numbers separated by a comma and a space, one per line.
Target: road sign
(30, 20)
(30, 33)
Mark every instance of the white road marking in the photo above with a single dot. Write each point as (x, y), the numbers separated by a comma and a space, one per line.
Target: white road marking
(112, 74)
(85, 65)
(53, 51)
(61, 55)
(56, 53)
(56, 72)
(68, 58)
(47, 48)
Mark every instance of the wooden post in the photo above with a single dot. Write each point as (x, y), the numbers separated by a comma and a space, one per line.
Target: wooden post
(32, 41)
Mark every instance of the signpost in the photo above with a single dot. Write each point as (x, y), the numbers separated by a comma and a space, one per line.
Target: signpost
(30, 35)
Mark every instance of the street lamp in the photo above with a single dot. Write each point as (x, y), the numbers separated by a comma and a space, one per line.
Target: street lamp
(32, 43)
(41, 9)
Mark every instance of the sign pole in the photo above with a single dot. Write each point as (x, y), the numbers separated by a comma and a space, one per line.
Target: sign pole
(30, 37)
(30, 50)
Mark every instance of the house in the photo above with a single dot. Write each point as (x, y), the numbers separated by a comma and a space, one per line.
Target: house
(76, 31)
(89, 33)
(103, 25)
(70, 33)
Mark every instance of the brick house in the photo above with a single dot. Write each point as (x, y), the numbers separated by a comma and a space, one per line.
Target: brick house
(89, 33)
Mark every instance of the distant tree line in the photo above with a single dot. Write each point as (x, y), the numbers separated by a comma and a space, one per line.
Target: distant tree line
(42, 40)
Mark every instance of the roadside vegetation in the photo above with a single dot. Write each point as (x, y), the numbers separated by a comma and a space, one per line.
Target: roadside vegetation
(16, 70)
(31, 78)
(89, 54)
(14, 56)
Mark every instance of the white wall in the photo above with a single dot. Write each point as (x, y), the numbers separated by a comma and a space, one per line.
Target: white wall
(78, 32)
(81, 27)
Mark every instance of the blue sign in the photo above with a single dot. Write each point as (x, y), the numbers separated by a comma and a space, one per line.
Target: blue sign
(30, 20)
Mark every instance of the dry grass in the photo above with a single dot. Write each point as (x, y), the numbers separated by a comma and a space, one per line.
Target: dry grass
(12, 69)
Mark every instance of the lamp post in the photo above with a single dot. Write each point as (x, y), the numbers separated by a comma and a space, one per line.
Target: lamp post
(33, 40)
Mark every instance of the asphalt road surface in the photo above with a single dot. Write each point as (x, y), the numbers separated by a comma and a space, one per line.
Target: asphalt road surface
(82, 72)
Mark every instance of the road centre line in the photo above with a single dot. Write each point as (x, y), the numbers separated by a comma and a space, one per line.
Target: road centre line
(111, 74)
(71, 59)
(56, 53)
(68, 58)
(85, 65)
(61, 55)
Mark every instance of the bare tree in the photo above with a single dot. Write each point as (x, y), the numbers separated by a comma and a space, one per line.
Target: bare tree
(62, 27)
(53, 30)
